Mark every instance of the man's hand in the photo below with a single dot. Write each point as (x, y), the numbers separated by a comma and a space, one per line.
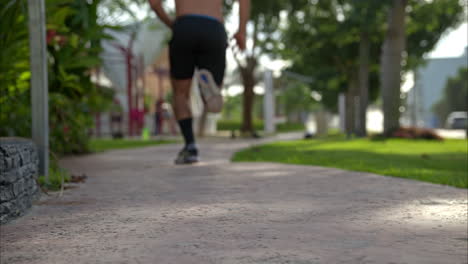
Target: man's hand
(240, 39)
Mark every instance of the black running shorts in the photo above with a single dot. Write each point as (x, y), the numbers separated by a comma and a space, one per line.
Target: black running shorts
(198, 42)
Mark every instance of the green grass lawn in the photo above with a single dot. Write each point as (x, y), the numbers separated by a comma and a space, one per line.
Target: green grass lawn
(431, 161)
(100, 145)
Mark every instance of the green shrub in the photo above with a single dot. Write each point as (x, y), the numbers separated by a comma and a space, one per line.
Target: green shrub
(233, 125)
(57, 175)
(236, 125)
(290, 127)
(73, 45)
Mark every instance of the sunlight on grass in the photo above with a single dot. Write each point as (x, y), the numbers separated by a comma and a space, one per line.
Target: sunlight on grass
(432, 161)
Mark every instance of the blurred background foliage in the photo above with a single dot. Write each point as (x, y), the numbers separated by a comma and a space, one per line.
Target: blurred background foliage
(322, 39)
(319, 39)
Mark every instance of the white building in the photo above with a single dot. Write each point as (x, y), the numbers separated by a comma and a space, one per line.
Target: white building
(429, 83)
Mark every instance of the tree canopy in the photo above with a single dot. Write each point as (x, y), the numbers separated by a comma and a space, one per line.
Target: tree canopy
(321, 38)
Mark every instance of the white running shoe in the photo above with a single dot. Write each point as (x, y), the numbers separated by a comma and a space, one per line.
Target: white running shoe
(210, 92)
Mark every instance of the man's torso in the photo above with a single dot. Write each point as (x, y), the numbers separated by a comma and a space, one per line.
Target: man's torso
(213, 8)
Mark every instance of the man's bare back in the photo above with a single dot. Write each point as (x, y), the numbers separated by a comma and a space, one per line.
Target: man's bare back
(212, 8)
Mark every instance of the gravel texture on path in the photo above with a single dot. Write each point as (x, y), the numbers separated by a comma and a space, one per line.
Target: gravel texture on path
(137, 207)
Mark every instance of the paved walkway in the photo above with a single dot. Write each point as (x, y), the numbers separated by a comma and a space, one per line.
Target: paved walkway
(136, 207)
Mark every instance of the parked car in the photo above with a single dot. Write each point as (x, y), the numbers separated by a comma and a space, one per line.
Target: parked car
(457, 120)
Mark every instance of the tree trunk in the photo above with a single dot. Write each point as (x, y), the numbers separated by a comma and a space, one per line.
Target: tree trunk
(248, 96)
(392, 51)
(349, 120)
(350, 105)
(364, 47)
(249, 81)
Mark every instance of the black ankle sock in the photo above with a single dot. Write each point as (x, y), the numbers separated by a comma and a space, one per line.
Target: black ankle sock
(187, 130)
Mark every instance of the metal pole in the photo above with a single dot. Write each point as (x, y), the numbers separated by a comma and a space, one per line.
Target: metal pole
(142, 80)
(39, 83)
(269, 103)
(98, 114)
(342, 111)
(129, 94)
(128, 51)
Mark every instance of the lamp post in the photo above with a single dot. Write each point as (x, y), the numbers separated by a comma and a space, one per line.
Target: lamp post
(39, 83)
(127, 51)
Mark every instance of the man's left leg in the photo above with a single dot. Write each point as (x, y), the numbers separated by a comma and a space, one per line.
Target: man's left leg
(183, 114)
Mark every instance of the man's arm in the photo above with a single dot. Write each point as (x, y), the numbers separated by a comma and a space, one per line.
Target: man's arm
(157, 7)
(244, 15)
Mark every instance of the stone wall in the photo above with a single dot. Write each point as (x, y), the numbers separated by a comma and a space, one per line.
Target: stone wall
(18, 173)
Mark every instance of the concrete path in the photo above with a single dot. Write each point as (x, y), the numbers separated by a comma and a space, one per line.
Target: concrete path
(136, 207)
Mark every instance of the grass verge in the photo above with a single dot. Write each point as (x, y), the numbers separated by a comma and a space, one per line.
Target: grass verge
(55, 178)
(100, 145)
(430, 161)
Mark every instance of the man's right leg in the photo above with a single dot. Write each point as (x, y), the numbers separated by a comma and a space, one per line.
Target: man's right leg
(183, 113)
(210, 91)
(211, 63)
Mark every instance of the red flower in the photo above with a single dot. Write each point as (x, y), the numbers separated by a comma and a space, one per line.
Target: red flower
(51, 35)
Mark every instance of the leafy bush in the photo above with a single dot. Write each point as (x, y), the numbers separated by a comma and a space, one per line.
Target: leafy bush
(232, 125)
(73, 45)
(14, 70)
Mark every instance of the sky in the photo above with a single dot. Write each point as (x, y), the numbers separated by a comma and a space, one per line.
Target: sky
(452, 44)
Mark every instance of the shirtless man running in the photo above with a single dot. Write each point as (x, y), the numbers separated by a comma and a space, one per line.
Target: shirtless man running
(199, 41)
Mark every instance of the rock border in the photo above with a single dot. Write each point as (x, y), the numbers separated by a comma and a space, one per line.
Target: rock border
(19, 166)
